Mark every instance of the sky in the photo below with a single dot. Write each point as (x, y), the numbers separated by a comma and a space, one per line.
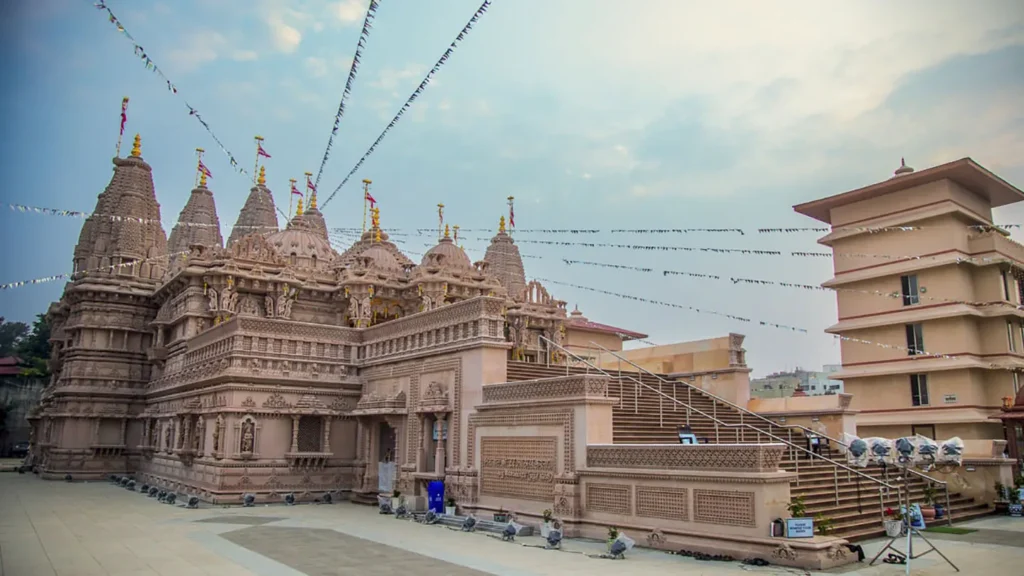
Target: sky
(593, 114)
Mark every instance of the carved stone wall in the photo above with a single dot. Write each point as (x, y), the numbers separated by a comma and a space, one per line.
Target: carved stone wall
(518, 467)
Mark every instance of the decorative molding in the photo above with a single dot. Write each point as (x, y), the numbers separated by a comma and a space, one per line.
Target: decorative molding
(723, 457)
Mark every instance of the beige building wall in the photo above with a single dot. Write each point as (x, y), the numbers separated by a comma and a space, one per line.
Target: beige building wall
(967, 293)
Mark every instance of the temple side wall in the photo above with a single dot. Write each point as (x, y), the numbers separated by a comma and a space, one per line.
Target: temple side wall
(546, 445)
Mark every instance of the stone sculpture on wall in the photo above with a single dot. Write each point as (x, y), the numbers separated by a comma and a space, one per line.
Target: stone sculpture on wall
(248, 436)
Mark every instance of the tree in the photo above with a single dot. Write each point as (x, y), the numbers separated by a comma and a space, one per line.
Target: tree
(11, 334)
(34, 349)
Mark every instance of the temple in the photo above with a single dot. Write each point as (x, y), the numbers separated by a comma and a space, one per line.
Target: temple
(274, 365)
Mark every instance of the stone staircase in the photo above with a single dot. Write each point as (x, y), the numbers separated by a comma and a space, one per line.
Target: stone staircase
(645, 417)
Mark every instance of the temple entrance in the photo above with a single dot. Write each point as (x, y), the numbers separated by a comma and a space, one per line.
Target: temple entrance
(387, 445)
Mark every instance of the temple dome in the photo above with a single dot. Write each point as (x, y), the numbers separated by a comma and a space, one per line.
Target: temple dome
(447, 255)
(302, 246)
(380, 258)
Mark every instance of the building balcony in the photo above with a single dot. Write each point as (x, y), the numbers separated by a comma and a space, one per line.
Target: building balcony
(308, 460)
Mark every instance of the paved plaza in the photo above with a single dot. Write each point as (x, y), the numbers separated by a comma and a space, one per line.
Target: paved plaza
(87, 529)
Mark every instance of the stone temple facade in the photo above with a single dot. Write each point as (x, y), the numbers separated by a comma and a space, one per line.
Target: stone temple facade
(274, 363)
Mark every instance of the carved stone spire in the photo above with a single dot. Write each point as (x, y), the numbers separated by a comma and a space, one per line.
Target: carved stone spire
(505, 263)
(125, 226)
(258, 215)
(197, 224)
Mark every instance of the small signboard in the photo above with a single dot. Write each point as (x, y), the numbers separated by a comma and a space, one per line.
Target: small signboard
(800, 528)
(1016, 510)
(949, 398)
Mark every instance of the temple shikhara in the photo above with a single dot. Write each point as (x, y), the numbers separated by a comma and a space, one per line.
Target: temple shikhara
(274, 364)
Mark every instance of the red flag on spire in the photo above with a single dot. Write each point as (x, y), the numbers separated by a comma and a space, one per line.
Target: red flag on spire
(260, 151)
(370, 199)
(204, 170)
(511, 216)
(124, 113)
(309, 183)
(295, 190)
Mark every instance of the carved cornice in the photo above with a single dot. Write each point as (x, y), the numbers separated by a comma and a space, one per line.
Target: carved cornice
(732, 457)
(559, 387)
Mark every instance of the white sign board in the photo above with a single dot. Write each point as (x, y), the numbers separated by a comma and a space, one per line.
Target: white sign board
(800, 528)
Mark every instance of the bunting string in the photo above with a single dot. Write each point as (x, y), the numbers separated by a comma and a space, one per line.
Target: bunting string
(917, 353)
(83, 273)
(740, 231)
(415, 94)
(364, 37)
(759, 282)
(141, 53)
(396, 235)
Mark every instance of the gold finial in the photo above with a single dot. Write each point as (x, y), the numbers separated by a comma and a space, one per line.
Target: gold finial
(137, 147)
(378, 235)
(202, 179)
(298, 211)
(501, 225)
(263, 176)
(447, 232)
(367, 181)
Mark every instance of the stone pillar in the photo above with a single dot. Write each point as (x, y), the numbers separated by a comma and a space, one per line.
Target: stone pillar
(124, 436)
(295, 433)
(325, 446)
(440, 453)
(96, 431)
(420, 454)
(186, 437)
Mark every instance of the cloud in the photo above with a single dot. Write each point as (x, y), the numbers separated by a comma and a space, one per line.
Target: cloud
(284, 37)
(390, 78)
(201, 47)
(348, 12)
(244, 55)
(317, 67)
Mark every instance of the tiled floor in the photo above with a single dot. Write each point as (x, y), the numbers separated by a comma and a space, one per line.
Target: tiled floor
(59, 529)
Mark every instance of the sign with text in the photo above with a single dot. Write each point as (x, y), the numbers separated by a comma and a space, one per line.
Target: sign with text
(800, 528)
(518, 467)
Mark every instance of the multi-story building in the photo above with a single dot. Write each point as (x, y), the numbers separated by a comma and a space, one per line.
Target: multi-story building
(929, 298)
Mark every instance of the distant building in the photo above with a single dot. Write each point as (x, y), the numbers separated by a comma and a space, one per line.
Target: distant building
(784, 384)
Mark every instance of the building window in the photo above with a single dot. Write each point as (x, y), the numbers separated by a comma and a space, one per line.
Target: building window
(1009, 336)
(915, 339)
(919, 389)
(1016, 383)
(909, 288)
(1006, 285)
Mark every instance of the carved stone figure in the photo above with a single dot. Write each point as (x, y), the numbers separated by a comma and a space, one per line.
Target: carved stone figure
(268, 303)
(248, 434)
(216, 433)
(249, 307)
(284, 302)
(198, 435)
(168, 436)
(213, 300)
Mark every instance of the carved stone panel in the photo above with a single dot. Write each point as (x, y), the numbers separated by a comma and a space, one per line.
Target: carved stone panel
(663, 502)
(725, 507)
(518, 467)
(613, 498)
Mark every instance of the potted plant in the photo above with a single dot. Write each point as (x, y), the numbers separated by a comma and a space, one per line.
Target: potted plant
(396, 499)
(893, 522)
(449, 507)
(1018, 488)
(823, 524)
(928, 509)
(613, 534)
(501, 516)
(1001, 501)
(545, 526)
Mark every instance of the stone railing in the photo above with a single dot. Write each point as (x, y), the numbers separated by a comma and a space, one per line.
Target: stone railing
(576, 386)
(452, 325)
(992, 241)
(710, 457)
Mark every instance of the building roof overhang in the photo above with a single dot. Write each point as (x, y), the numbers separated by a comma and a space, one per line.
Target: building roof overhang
(588, 326)
(965, 172)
